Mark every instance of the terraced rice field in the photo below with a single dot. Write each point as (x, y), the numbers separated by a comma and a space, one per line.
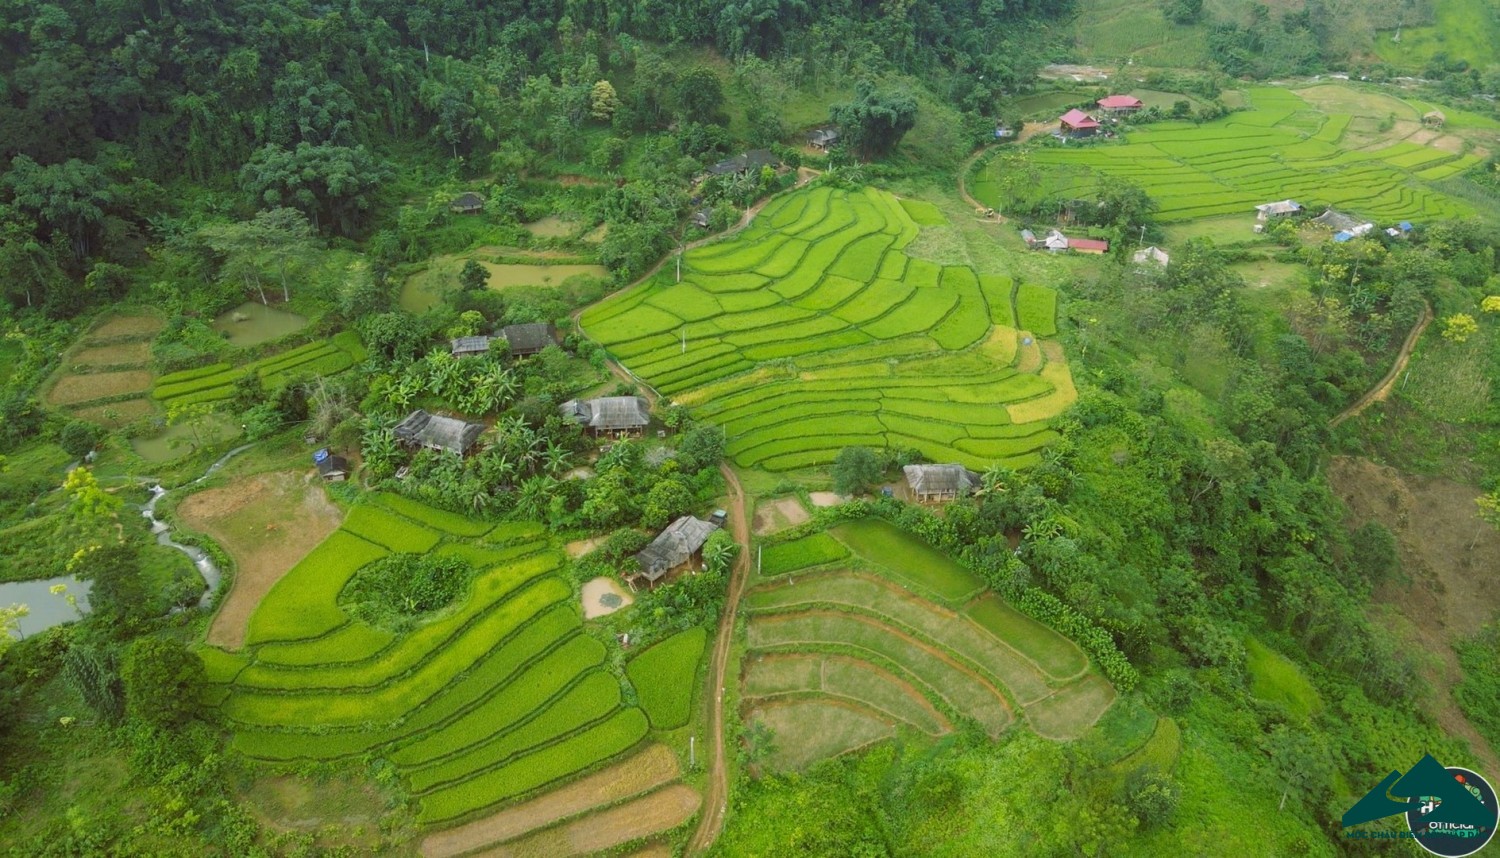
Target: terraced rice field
(495, 700)
(813, 330)
(215, 383)
(105, 378)
(840, 658)
(1280, 148)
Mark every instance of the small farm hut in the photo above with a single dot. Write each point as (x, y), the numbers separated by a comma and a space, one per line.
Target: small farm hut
(1088, 245)
(469, 346)
(1280, 208)
(679, 544)
(528, 339)
(610, 415)
(823, 138)
(940, 482)
(1055, 242)
(1340, 222)
(700, 218)
(1434, 119)
(1030, 238)
(435, 432)
(1118, 105)
(1078, 124)
(331, 466)
(467, 203)
(1152, 254)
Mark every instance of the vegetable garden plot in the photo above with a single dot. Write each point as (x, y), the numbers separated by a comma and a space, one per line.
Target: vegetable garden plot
(817, 285)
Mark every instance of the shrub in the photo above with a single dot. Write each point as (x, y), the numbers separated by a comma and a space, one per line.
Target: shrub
(78, 438)
(664, 677)
(397, 590)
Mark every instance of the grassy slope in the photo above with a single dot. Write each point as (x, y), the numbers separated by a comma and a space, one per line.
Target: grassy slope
(1463, 29)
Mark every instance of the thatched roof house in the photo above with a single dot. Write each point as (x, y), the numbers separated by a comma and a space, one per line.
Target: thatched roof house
(674, 546)
(469, 346)
(940, 482)
(609, 415)
(528, 339)
(436, 432)
(823, 138)
(749, 162)
(467, 203)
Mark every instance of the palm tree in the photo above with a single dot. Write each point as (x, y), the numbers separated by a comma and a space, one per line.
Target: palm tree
(556, 458)
(536, 495)
(719, 552)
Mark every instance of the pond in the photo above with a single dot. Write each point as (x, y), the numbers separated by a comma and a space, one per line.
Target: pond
(252, 323)
(48, 609)
(551, 226)
(177, 441)
(602, 596)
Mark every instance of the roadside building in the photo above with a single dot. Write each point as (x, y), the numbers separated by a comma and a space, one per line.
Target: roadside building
(1076, 123)
(614, 416)
(1119, 105)
(679, 545)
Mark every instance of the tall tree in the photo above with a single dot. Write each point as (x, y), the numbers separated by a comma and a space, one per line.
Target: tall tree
(875, 121)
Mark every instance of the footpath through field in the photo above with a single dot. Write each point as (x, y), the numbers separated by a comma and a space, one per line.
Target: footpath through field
(716, 800)
(1379, 392)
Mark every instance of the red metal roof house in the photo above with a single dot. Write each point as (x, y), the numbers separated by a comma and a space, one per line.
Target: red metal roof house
(1120, 104)
(1078, 123)
(1088, 245)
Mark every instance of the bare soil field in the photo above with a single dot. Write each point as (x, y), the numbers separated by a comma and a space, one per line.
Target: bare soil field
(659, 811)
(97, 385)
(127, 326)
(826, 498)
(779, 515)
(584, 546)
(267, 522)
(136, 352)
(1447, 557)
(115, 414)
(651, 768)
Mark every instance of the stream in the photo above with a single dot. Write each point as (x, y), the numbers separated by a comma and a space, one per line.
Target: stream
(48, 609)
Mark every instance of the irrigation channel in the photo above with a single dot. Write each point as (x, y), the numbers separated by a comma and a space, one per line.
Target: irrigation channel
(48, 609)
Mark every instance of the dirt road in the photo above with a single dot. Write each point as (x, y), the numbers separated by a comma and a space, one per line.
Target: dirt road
(716, 800)
(1379, 392)
(963, 186)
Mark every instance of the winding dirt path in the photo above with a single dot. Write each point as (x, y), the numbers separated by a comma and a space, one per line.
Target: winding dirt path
(1379, 392)
(716, 800)
(963, 186)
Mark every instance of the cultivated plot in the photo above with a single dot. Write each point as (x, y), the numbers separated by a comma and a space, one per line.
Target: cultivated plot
(496, 698)
(813, 330)
(1282, 147)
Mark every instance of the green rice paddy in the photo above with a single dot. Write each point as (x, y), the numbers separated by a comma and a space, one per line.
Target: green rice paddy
(1280, 148)
(813, 330)
(498, 695)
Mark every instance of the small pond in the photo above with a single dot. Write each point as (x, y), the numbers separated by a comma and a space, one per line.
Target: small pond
(551, 226)
(603, 596)
(252, 323)
(174, 442)
(48, 609)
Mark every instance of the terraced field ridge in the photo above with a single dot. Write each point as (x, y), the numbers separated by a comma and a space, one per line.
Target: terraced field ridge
(840, 658)
(813, 329)
(1280, 148)
(499, 698)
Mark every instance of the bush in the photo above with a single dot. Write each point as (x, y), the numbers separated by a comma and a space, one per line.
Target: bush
(78, 438)
(396, 590)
